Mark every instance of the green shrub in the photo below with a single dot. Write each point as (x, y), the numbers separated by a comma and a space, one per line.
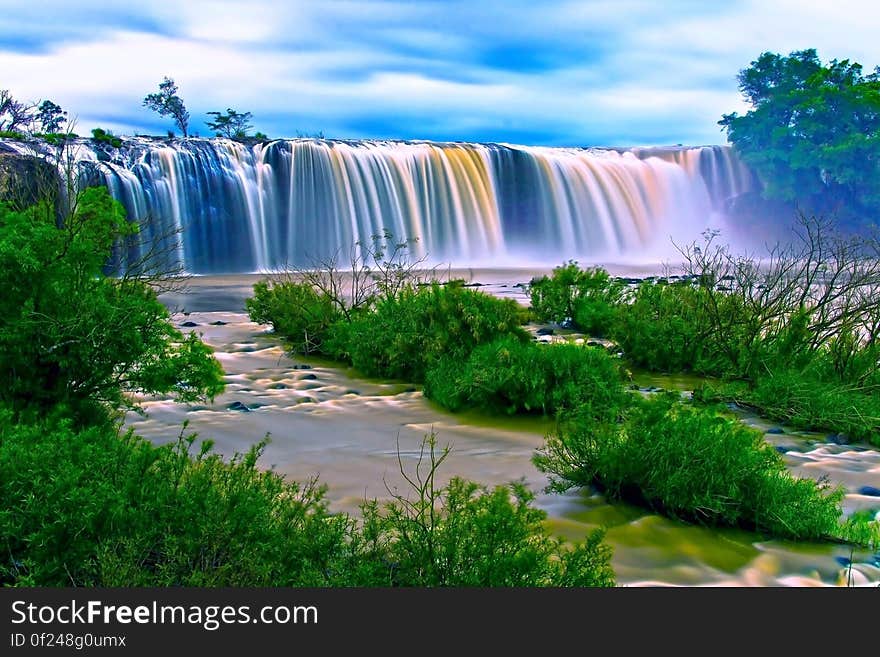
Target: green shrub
(512, 376)
(586, 297)
(69, 334)
(12, 134)
(692, 464)
(464, 534)
(296, 311)
(106, 137)
(91, 508)
(407, 332)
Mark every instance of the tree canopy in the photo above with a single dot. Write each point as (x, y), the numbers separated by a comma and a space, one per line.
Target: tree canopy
(813, 132)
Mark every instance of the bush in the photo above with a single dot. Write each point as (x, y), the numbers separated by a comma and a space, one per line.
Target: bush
(106, 137)
(90, 508)
(695, 465)
(296, 312)
(586, 297)
(512, 376)
(465, 534)
(407, 332)
(70, 335)
(93, 508)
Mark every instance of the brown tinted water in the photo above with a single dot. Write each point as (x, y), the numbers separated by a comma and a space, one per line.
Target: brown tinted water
(327, 421)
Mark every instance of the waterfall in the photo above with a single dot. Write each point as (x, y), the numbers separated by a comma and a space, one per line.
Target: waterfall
(234, 207)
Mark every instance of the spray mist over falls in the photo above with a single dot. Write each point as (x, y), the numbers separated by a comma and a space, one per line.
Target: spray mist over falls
(244, 208)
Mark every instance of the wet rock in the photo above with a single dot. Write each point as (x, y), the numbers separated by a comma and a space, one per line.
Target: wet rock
(351, 392)
(869, 490)
(775, 430)
(473, 285)
(189, 324)
(302, 367)
(308, 377)
(238, 406)
(593, 343)
(843, 561)
(219, 322)
(278, 386)
(545, 330)
(410, 389)
(567, 323)
(838, 439)
(308, 400)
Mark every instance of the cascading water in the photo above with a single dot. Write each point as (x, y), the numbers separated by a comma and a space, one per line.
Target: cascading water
(233, 208)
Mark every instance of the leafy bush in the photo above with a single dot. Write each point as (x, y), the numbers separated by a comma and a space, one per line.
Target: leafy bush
(296, 312)
(12, 134)
(106, 137)
(586, 297)
(464, 534)
(407, 332)
(90, 508)
(512, 376)
(692, 464)
(69, 335)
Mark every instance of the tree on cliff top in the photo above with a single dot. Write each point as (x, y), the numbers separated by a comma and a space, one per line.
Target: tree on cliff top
(232, 124)
(813, 132)
(167, 103)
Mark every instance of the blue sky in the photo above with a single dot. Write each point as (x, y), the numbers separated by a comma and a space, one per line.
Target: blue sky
(592, 72)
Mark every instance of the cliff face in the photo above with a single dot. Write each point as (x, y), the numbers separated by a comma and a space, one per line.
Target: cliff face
(24, 179)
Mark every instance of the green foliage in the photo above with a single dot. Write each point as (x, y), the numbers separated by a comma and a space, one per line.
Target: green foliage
(296, 312)
(805, 402)
(71, 336)
(12, 134)
(106, 137)
(406, 332)
(465, 534)
(512, 376)
(232, 124)
(692, 464)
(167, 103)
(586, 297)
(813, 131)
(261, 136)
(91, 508)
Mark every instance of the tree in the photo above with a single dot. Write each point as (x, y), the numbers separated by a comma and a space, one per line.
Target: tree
(51, 117)
(167, 103)
(70, 336)
(15, 115)
(813, 133)
(232, 125)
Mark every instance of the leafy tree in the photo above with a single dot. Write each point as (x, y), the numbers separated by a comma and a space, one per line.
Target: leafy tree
(813, 133)
(51, 116)
(167, 103)
(232, 124)
(71, 336)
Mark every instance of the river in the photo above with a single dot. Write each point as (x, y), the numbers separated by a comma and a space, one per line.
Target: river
(325, 421)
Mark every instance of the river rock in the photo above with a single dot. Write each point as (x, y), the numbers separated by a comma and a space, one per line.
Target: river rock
(238, 406)
(838, 439)
(308, 377)
(189, 324)
(545, 330)
(871, 491)
(775, 431)
(219, 322)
